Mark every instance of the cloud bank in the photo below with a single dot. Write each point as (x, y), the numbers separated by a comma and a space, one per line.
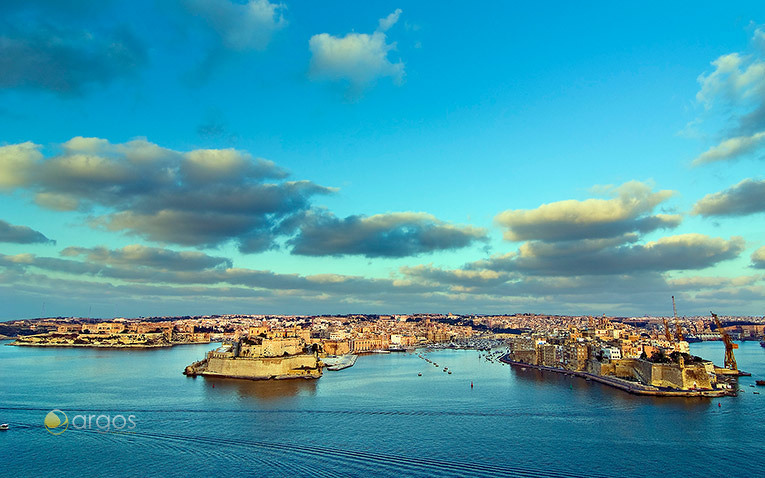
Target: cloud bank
(208, 197)
(201, 198)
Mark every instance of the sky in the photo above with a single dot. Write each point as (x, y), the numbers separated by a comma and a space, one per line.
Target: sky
(214, 156)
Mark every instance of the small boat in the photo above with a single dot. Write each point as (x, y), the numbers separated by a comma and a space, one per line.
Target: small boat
(760, 382)
(4, 426)
(419, 374)
(450, 372)
(756, 393)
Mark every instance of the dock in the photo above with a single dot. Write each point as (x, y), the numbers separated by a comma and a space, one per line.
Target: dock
(339, 363)
(625, 385)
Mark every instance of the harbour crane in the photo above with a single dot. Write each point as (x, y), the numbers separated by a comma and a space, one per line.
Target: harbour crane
(730, 360)
(667, 333)
(678, 329)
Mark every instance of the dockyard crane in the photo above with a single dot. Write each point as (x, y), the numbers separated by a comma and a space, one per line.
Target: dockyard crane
(730, 360)
(678, 329)
(667, 333)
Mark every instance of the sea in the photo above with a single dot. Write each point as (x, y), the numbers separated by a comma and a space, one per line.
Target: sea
(125, 412)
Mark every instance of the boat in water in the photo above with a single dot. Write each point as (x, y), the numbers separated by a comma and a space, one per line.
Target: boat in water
(760, 382)
(4, 426)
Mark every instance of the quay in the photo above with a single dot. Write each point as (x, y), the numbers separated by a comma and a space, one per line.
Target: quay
(339, 363)
(625, 385)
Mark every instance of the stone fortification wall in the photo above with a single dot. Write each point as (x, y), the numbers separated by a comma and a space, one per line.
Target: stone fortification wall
(657, 374)
(299, 366)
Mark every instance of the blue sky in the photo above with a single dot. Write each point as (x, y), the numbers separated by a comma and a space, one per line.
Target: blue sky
(210, 156)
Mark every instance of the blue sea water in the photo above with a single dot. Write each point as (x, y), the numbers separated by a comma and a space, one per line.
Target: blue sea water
(378, 417)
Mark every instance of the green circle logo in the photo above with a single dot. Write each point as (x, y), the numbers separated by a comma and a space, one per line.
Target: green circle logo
(56, 422)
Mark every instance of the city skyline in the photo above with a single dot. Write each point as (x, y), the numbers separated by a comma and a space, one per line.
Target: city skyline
(252, 157)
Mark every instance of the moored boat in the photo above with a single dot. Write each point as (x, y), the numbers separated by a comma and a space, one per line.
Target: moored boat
(760, 382)
(4, 426)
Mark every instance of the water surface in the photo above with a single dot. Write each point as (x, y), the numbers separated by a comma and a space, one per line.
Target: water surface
(377, 417)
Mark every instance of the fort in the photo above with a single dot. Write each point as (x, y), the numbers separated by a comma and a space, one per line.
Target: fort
(263, 355)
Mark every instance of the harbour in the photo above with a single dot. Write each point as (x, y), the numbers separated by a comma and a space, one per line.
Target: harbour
(409, 423)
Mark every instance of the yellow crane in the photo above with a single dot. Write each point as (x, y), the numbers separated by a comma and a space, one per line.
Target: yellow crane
(730, 360)
(678, 329)
(667, 333)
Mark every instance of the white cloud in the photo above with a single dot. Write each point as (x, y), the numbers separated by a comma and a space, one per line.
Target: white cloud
(731, 149)
(759, 40)
(16, 163)
(735, 79)
(591, 218)
(746, 197)
(733, 95)
(242, 26)
(758, 258)
(199, 197)
(386, 23)
(358, 58)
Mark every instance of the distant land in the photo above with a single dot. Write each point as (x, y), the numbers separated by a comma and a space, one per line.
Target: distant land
(639, 355)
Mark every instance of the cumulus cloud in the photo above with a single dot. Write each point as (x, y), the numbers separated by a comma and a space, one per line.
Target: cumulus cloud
(241, 26)
(758, 258)
(628, 211)
(16, 164)
(746, 197)
(358, 58)
(21, 234)
(383, 235)
(199, 198)
(603, 257)
(731, 149)
(38, 53)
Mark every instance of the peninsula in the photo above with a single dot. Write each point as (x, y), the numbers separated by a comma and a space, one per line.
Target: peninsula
(618, 355)
(119, 333)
